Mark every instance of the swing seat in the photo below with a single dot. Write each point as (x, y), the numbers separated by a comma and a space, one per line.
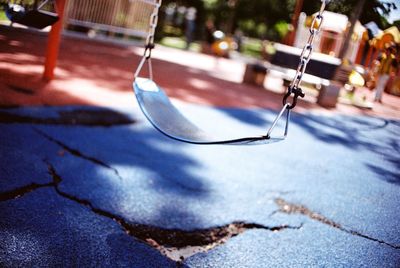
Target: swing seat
(163, 115)
(38, 19)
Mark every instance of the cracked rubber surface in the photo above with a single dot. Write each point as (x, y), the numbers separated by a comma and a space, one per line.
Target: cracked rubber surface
(21, 150)
(60, 233)
(315, 245)
(342, 170)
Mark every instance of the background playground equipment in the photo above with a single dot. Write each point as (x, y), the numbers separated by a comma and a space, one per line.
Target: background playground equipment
(374, 42)
(36, 14)
(219, 44)
(372, 45)
(222, 45)
(332, 34)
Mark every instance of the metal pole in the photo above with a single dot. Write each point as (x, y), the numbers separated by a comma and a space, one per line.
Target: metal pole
(53, 43)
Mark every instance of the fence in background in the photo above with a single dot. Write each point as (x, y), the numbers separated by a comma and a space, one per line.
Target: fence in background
(127, 17)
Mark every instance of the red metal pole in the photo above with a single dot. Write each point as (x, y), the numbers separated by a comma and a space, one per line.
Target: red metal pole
(53, 43)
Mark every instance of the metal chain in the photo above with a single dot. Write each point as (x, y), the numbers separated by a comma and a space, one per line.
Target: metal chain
(153, 24)
(150, 38)
(305, 57)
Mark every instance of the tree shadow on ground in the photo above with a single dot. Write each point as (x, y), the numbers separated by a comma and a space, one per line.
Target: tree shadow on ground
(376, 135)
(250, 117)
(154, 184)
(112, 161)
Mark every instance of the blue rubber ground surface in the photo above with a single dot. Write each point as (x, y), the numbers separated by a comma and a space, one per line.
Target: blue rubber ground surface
(61, 184)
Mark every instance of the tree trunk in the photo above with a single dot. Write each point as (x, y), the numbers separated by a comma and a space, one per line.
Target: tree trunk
(353, 20)
(295, 22)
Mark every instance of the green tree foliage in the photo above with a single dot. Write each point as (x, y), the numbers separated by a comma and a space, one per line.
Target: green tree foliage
(255, 18)
(272, 14)
(372, 11)
(270, 18)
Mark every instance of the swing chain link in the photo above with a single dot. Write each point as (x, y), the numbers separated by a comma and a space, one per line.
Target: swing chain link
(149, 43)
(152, 29)
(305, 57)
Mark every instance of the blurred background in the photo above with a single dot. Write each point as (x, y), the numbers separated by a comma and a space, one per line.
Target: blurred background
(353, 36)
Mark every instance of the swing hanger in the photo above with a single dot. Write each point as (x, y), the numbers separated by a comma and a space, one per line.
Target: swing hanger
(167, 119)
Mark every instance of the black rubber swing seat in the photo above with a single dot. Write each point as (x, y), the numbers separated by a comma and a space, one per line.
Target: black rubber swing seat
(35, 18)
(163, 115)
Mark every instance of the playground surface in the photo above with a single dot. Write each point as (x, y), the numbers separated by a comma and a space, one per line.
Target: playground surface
(86, 181)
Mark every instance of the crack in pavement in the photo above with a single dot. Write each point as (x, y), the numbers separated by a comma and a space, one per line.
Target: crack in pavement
(92, 118)
(96, 161)
(77, 152)
(19, 192)
(290, 208)
(189, 243)
(175, 244)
